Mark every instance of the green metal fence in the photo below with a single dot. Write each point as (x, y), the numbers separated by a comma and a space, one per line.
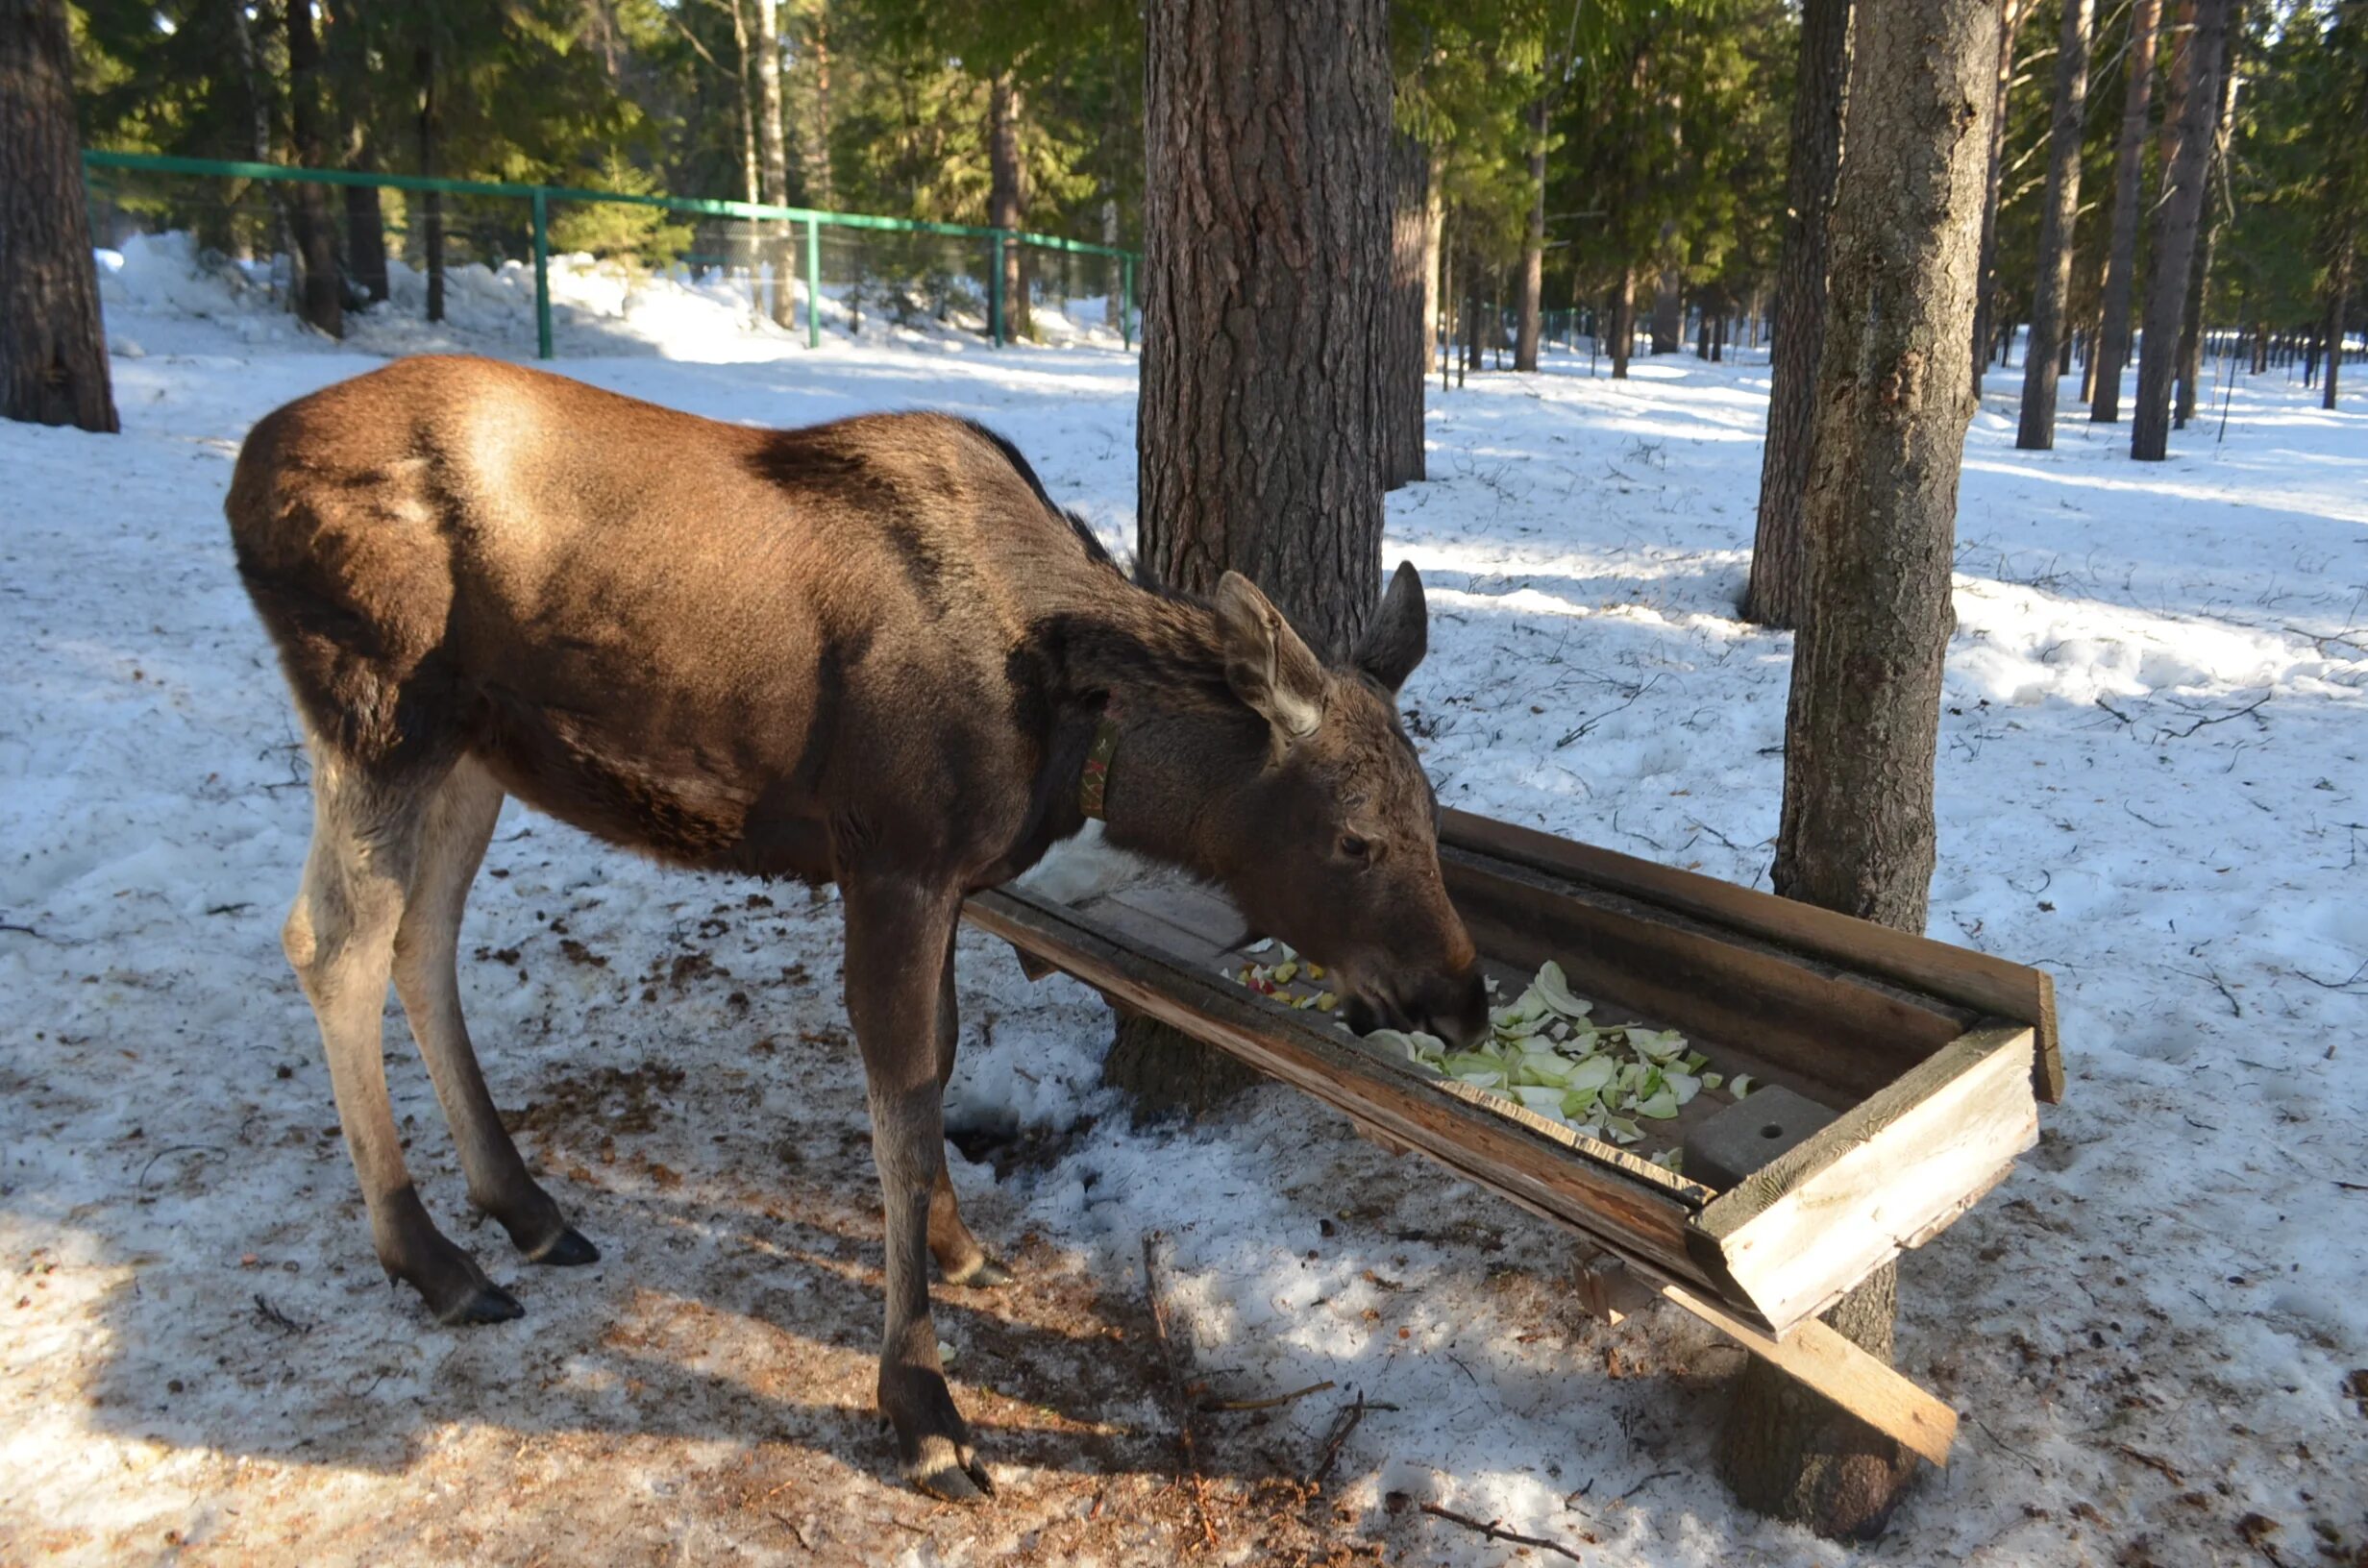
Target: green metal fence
(787, 262)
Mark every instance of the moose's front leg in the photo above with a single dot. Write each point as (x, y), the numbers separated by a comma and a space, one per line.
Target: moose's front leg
(896, 935)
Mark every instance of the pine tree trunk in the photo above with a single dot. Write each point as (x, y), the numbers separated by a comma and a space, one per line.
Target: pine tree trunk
(259, 123)
(2338, 305)
(1004, 209)
(1669, 295)
(2173, 248)
(430, 202)
(811, 119)
(1985, 298)
(1533, 246)
(1779, 591)
(53, 342)
(2199, 281)
(1261, 420)
(751, 179)
(321, 291)
(1434, 235)
(1623, 323)
(2059, 211)
(365, 221)
(1408, 364)
(2121, 256)
(1894, 401)
(773, 159)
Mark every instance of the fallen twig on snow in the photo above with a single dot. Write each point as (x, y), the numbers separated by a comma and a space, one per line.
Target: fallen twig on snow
(1267, 1404)
(1497, 1533)
(1183, 1396)
(2217, 719)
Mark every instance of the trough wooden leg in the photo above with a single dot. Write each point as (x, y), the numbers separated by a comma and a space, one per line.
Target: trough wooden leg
(1790, 1453)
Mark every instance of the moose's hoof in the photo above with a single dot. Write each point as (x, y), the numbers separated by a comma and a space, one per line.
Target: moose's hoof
(986, 1274)
(488, 1303)
(568, 1249)
(949, 1471)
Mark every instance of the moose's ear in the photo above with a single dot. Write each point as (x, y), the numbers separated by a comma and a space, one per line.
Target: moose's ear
(1400, 632)
(1265, 664)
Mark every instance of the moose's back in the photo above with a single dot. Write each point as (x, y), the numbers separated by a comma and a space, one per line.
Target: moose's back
(730, 646)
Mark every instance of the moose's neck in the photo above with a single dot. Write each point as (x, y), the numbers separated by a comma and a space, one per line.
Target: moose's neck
(1188, 751)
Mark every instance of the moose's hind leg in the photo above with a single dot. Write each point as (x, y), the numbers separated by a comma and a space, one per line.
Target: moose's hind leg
(960, 1258)
(459, 823)
(340, 939)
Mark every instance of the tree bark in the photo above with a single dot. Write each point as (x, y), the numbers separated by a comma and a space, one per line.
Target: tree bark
(1623, 322)
(2173, 249)
(773, 159)
(1261, 416)
(2338, 305)
(1779, 592)
(1408, 366)
(53, 341)
(2199, 279)
(1434, 257)
(430, 202)
(1533, 246)
(814, 123)
(1669, 295)
(2121, 256)
(1985, 298)
(1894, 401)
(1004, 198)
(365, 222)
(2058, 214)
(322, 291)
(751, 179)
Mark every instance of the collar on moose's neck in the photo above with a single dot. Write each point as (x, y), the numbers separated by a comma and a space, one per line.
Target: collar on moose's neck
(1094, 779)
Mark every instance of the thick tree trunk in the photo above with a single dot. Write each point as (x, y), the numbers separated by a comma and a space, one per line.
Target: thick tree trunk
(1779, 591)
(2173, 248)
(322, 291)
(2121, 256)
(773, 159)
(1005, 199)
(1985, 298)
(1408, 366)
(53, 342)
(1533, 246)
(1894, 400)
(1265, 365)
(430, 202)
(1434, 248)
(2059, 212)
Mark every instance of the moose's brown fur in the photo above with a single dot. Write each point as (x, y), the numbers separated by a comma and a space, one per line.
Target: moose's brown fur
(870, 652)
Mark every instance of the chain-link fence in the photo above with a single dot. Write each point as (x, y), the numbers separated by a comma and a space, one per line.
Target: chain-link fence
(424, 262)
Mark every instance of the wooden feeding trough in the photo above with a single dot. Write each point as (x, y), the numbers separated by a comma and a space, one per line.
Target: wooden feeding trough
(1930, 1059)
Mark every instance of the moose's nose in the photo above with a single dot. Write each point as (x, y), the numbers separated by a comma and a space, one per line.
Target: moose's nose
(1454, 1007)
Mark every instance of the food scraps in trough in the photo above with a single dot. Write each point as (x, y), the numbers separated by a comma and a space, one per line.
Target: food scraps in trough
(1543, 1053)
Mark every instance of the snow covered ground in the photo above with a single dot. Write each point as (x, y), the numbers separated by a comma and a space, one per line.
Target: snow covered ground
(2151, 783)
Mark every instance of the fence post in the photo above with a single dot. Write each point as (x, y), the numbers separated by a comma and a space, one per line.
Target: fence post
(1126, 301)
(542, 274)
(995, 291)
(813, 283)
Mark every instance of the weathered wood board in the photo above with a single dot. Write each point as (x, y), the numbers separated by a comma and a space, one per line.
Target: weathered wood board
(1933, 1060)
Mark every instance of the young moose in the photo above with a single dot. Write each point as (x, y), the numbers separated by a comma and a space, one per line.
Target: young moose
(870, 654)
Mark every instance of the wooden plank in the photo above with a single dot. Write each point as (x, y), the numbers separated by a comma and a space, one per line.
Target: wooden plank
(1887, 1174)
(1990, 985)
(1839, 1036)
(1630, 1203)
(1818, 1356)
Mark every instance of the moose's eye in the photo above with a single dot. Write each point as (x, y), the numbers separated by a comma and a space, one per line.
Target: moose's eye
(1355, 848)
